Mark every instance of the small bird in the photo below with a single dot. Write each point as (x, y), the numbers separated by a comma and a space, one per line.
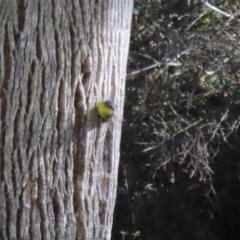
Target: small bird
(106, 109)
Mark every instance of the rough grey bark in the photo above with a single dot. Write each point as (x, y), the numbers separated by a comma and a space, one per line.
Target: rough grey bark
(58, 160)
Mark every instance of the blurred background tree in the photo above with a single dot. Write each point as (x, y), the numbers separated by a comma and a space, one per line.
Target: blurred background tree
(180, 155)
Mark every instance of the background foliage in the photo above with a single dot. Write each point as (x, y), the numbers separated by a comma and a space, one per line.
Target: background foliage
(180, 154)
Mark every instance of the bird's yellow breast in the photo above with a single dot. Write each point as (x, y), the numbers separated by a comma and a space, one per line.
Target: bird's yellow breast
(105, 109)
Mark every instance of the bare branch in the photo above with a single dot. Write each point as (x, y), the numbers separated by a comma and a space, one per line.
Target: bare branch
(217, 9)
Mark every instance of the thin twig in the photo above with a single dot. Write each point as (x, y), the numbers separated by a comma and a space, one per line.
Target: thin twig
(172, 136)
(217, 9)
(215, 131)
(153, 66)
(199, 17)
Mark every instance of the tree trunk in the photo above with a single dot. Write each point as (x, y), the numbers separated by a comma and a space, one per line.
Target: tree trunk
(58, 160)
